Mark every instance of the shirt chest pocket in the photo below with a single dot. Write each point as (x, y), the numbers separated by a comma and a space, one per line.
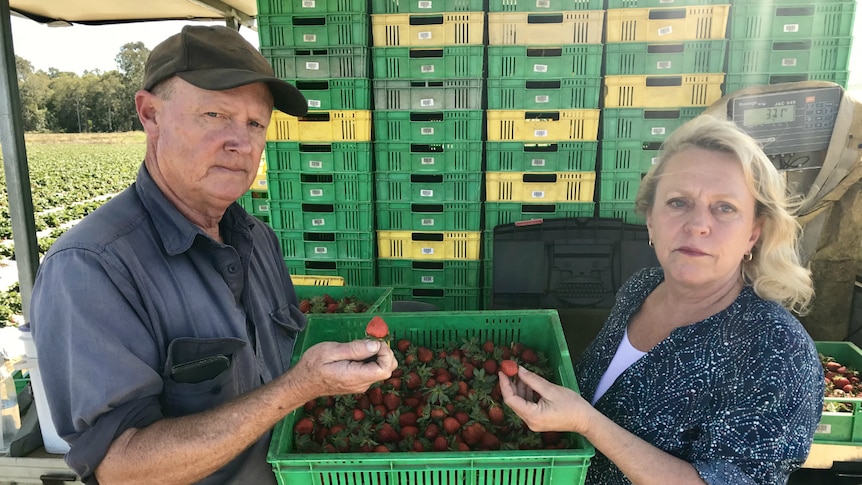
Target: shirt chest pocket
(201, 373)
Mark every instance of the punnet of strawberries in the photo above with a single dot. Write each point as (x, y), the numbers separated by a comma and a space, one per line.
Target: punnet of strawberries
(327, 304)
(840, 381)
(445, 398)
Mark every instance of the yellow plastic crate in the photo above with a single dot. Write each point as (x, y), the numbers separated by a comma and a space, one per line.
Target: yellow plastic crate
(326, 126)
(434, 30)
(543, 126)
(556, 28)
(673, 24)
(550, 187)
(309, 280)
(461, 245)
(259, 182)
(662, 91)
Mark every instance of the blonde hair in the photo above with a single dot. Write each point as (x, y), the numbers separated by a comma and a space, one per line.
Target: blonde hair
(775, 271)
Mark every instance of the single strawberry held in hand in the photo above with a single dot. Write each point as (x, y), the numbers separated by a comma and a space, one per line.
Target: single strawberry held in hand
(509, 367)
(377, 328)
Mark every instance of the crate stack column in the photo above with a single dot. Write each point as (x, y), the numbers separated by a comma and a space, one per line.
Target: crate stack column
(663, 66)
(319, 170)
(427, 62)
(544, 78)
(773, 42)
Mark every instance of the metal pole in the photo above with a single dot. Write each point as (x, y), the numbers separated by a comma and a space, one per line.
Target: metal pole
(15, 165)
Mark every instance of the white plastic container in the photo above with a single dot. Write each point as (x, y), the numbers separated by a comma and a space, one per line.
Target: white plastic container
(52, 441)
(10, 417)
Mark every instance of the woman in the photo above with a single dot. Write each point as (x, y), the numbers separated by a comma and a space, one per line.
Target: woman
(701, 374)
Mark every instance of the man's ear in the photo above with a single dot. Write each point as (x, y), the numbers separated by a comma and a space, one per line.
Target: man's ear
(147, 105)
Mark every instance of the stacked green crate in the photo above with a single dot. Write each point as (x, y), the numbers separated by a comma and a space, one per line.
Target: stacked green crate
(773, 42)
(663, 66)
(544, 80)
(256, 200)
(428, 68)
(319, 169)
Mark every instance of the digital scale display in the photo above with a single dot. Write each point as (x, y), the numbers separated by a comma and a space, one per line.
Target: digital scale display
(767, 116)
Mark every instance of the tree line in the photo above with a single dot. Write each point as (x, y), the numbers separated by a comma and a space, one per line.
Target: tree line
(64, 102)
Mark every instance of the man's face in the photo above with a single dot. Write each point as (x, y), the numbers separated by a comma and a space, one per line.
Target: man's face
(208, 143)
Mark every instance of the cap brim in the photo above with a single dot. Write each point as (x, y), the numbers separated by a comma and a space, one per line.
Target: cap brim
(286, 97)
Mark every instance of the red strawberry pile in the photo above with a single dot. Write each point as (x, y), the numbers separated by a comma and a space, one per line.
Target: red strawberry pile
(442, 399)
(327, 304)
(841, 381)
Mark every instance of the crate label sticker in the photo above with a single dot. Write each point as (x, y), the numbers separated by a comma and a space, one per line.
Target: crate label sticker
(426, 102)
(540, 68)
(308, 3)
(665, 30)
(425, 4)
(309, 37)
(427, 279)
(663, 64)
(788, 62)
(318, 222)
(665, 1)
(426, 193)
(263, 208)
(425, 35)
(314, 103)
(262, 183)
(543, 3)
(427, 161)
(653, 160)
(791, 27)
(537, 194)
(312, 66)
(537, 162)
(315, 164)
(315, 192)
(540, 133)
(427, 251)
(657, 130)
(426, 131)
(542, 98)
(823, 429)
(427, 222)
(319, 250)
(426, 68)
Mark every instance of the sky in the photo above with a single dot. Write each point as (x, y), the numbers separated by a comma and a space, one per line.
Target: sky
(82, 48)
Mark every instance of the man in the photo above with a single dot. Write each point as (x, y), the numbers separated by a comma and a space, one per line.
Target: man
(165, 321)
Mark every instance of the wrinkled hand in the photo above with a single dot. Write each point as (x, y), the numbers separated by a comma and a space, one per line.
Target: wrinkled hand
(543, 405)
(331, 368)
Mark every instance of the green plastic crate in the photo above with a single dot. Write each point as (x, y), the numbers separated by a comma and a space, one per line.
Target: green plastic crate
(539, 329)
(355, 272)
(791, 20)
(797, 56)
(313, 31)
(429, 274)
(841, 428)
(445, 216)
(318, 157)
(664, 3)
(428, 188)
(335, 94)
(343, 216)
(629, 155)
(378, 298)
(396, 156)
(319, 188)
(318, 63)
(426, 6)
(696, 56)
(544, 62)
(531, 94)
(623, 210)
(265, 7)
(543, 5)
(447, 299)
(445, 94)
(643, 123)
(255, 203)
(416, 63)
(566, 156)
(735, 81)
(327, 245)
(619, 185)
(499, 213)
(429, 126)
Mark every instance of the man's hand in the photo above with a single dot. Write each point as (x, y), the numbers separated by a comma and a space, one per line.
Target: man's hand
(330, 368)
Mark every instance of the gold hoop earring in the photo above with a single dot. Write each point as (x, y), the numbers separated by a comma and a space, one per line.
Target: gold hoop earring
(651, 244)
(747, 257)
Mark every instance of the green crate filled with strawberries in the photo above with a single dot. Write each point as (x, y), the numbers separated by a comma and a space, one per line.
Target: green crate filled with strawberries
(841, 421)
(319, 301)
(440, 418)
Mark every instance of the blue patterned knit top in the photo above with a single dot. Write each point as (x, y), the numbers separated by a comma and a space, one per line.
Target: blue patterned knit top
(738, 395)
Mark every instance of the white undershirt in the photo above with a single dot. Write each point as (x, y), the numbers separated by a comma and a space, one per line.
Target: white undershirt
(626, 356)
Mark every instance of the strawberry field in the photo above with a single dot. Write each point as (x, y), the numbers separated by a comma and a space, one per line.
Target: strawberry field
(70, 176)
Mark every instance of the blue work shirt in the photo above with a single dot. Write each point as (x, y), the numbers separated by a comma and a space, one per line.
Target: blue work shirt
(738, 395)
(136, 289)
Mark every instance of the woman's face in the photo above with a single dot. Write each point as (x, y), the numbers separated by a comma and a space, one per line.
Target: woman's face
(703, 219)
